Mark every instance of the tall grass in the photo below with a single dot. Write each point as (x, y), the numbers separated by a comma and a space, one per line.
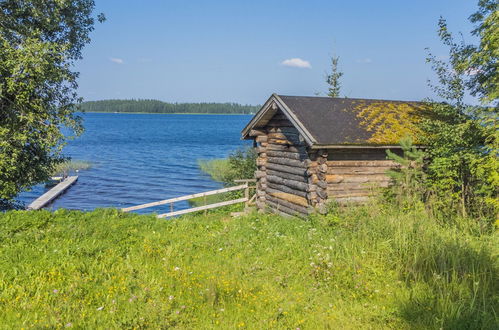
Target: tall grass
(71, 166)
(215, 168)
(365, 267)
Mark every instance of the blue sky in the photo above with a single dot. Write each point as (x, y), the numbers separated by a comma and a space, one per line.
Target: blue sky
(236, 51)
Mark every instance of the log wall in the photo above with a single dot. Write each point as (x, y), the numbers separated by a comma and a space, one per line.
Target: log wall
(352, 175)
(293, 179)
(282, 181)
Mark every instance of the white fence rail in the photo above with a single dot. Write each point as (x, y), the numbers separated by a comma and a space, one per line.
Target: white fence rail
(246, 199)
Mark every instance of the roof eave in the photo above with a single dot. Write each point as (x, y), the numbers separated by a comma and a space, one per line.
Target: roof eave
(353, 146)
(359, 146)
(256, 118)
(309, 139)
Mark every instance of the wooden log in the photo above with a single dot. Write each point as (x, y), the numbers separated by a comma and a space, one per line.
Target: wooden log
(286, 189)
(285, 209)
(287, 142)
(289, 176)
(322, 193)
(321, 184)
(299, 185)
(356, 178)
(285, 136)
(358, 163)
(321, 160)
(278, 147)
(261, 138)
(290, 130)
(285, 154)
(259, 174)
(357, 186)
(282, 135)
(284, 168)
(322, 168)
(257, 132)
(334, 178)
(362, 170)
(287, 162)
(262, 155)
(312, 196)
(358, 193)
(358, 156)
(292, 206)
(311, 171)
(298, 200)
(261, 161)
(352, 200)
(260, 150)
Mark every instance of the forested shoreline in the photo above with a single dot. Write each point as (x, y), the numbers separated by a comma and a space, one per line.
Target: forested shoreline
(156, 106)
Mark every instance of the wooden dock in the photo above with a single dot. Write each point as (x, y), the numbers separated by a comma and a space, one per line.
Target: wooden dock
(53, 193)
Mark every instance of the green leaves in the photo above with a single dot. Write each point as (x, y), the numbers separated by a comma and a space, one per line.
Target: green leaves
(462, 140)
(39, 42)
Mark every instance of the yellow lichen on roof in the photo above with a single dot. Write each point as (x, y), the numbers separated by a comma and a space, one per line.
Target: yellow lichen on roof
(389, 122)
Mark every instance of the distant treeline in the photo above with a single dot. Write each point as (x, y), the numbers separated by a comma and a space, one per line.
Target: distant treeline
(155, 106)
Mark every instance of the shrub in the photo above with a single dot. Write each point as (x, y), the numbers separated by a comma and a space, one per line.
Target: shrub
(241, 164)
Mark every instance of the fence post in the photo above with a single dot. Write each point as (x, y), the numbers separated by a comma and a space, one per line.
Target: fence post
(246, 195)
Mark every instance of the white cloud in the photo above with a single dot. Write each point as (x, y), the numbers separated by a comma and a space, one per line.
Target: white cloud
(297, 63)
(364, 60)
(116, 60)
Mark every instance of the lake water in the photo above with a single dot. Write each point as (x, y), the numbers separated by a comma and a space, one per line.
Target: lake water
(141, 158)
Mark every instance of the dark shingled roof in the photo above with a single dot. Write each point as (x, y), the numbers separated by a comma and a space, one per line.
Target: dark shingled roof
(330, 121)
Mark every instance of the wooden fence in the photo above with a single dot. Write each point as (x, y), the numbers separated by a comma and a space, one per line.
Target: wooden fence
(246, 199)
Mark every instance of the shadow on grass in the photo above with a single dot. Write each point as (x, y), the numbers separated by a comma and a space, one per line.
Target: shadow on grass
(454, 286)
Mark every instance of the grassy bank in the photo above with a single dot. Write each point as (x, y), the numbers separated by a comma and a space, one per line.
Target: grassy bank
(361, 268)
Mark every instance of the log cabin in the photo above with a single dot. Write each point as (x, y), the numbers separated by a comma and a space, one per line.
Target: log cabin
(312, 150)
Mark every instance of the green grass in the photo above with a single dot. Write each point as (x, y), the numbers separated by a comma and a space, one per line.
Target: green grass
(366, 267)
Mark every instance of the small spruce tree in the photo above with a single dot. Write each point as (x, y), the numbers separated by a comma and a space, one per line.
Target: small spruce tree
(333, 79)
(409, 176)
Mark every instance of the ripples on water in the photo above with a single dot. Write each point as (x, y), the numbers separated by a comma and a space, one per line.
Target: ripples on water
(140, 158)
